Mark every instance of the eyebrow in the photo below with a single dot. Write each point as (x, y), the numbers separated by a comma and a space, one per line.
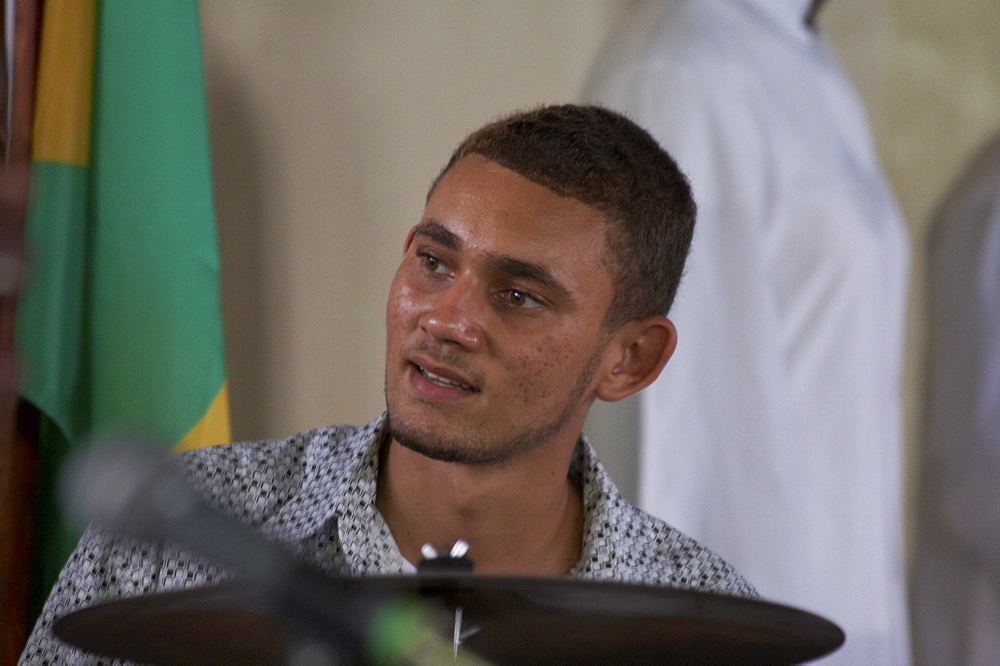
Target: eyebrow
(527, 270)
(506, 265)
(438, 233)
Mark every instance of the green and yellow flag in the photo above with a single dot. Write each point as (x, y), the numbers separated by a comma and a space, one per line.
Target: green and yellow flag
(120, 325)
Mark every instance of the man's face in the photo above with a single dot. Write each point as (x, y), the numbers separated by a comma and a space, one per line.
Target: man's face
(495, 317)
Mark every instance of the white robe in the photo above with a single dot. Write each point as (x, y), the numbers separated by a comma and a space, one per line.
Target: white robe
(956, 582)
(774, 434)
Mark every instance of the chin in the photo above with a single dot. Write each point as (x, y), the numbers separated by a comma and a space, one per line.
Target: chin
(442, 447)
(466, 448)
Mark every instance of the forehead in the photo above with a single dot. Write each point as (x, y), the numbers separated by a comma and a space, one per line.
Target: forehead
(490, 207)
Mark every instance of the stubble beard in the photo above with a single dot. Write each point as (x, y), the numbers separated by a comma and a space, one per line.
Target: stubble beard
(471, 450)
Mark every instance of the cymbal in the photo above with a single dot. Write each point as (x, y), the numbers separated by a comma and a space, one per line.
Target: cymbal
(500, 619)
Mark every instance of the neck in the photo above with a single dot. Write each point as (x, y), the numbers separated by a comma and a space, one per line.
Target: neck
(520, 517)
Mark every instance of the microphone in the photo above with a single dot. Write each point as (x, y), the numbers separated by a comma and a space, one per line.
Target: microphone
(134, 488)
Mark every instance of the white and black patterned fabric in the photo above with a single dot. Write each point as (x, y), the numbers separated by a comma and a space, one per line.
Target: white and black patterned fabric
(315, 492)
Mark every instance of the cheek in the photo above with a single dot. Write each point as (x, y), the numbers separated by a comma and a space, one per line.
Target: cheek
(544, 372)
(401, 305)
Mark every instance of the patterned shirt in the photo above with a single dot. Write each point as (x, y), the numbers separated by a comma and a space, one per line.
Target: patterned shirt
(315, 493)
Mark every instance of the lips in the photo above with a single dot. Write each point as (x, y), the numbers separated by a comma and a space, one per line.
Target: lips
(444, 381)
(442, 376)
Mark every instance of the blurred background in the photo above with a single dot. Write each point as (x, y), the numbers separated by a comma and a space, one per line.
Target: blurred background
(328, 121)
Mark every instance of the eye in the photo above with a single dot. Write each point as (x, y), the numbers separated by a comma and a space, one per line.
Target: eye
(520, 299)
(431, 263)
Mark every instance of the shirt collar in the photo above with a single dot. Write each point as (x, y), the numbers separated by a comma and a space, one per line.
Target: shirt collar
(603, 507)
(337, 497)
(787, 15)
(346, 494)
(364, 536)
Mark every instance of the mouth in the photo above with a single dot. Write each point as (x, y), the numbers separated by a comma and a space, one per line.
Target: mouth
(446, 382)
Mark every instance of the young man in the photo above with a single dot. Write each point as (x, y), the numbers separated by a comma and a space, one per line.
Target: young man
(536, 281)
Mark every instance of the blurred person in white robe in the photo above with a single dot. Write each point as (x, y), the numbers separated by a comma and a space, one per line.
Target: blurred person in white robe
(956, 582)
(776, 433)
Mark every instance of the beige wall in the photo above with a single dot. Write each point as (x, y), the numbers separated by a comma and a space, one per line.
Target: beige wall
(329, 120)
(929, 74)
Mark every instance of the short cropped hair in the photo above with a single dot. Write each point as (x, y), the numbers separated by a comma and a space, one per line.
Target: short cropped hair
(606, 161)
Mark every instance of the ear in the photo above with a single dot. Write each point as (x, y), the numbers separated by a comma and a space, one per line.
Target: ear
(636, 354)
(409, 239)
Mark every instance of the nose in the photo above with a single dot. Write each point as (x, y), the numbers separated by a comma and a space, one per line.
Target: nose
(455, 315)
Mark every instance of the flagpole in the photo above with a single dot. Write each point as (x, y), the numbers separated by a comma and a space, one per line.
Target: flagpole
(18, 420)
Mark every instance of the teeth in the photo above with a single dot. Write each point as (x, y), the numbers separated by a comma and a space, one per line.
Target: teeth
(443, 381)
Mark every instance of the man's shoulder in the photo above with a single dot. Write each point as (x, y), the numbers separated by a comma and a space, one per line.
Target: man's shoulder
(623, 542)
(657, 553)
(250, 480)
(281, 452)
